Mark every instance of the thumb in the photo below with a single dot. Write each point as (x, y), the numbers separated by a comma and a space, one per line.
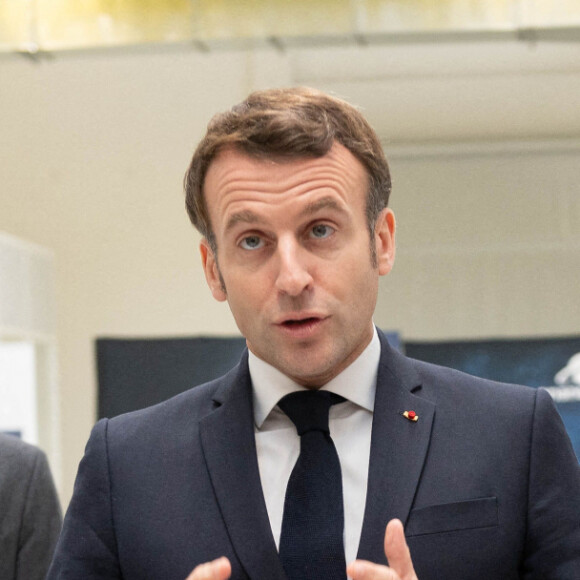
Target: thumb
(397, 551)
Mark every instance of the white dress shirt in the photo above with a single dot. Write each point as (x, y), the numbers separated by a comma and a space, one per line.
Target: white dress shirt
(278, 444)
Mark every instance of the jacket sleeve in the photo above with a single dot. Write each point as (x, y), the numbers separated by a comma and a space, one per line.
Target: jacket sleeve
(41, 522)
(87, 545)
(553, 540)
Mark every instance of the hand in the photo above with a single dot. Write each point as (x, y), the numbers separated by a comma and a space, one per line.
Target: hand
(397, 552)
(219, 569)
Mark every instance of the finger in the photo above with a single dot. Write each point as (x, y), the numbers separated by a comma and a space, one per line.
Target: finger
(397, 551)
(363, 570)
(219, 569)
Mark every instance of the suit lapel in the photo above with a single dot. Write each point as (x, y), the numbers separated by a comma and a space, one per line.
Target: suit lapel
(398, 449)
(228, 441)
(398, 452)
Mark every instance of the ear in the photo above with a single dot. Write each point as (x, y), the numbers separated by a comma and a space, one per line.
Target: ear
(211, 270)
(385, 241)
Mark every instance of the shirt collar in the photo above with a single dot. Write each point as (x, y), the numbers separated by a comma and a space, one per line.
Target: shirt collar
(357, 382)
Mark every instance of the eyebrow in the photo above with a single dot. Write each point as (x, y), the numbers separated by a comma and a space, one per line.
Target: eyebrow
(323, 203)
(245, 216)
(249, 217)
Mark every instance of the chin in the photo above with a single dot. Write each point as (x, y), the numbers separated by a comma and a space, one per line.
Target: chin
(310, 377)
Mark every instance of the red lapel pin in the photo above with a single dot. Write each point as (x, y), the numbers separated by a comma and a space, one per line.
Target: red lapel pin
(411, 415)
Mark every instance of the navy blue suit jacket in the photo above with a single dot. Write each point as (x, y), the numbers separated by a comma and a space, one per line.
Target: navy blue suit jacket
(485, 481)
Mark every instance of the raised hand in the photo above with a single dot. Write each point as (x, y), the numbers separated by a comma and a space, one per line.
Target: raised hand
(398, 554)
(219, 569)
(396, 550)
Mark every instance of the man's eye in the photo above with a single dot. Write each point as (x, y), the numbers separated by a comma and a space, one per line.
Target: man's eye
(252, 243)
(322, 231)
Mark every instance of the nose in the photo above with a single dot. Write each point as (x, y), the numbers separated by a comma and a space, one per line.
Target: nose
(293, 276)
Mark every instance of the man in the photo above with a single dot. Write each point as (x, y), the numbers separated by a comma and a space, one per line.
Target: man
(443, 476)
(30, 516)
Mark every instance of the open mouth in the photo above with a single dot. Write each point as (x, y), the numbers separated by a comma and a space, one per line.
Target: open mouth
(302, 328)
(297, 323)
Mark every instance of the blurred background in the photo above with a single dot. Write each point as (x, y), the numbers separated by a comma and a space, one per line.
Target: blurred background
(102, 103)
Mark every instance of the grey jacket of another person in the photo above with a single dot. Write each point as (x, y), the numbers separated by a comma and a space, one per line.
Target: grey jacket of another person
(30, 514)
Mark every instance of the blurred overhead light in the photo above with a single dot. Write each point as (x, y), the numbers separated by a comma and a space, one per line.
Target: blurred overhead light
(55, 25)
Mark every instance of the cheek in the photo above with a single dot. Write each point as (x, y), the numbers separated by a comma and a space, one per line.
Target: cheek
(357, 276)
(361, 291)
(245, 296)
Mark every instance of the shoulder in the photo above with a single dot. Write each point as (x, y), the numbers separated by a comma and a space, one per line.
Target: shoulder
(458, 396)
(187, 407)
(490, 408)
(164, 438)
(452, 381)
(24, 470)
(18, 455)
(440, 384)
(178, 415)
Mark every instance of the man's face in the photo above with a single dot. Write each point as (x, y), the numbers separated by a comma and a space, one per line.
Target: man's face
(294, 258)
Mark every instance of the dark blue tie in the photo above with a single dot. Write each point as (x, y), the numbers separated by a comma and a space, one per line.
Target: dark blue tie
(311, 543)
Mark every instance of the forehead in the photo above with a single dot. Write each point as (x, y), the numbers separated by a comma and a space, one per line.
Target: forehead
(236, 182)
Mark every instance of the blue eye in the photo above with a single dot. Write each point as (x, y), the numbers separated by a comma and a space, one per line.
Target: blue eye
(322, 231)
(252, 243)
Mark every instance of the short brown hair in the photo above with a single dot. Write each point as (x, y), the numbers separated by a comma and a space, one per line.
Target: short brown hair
(290, 123)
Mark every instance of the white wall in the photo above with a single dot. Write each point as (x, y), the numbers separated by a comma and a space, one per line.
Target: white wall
(94, 147)
(93, 152)
(488, 242)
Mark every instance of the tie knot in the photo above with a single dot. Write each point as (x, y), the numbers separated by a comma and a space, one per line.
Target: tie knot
(308, 410)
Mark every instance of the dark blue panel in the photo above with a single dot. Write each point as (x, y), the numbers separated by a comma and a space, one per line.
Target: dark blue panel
(136, 373)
